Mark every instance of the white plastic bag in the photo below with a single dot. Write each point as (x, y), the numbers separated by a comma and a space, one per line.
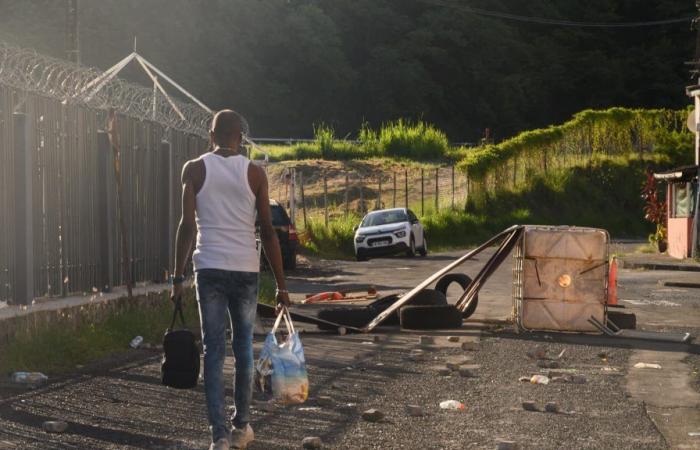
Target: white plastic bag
(281, 369)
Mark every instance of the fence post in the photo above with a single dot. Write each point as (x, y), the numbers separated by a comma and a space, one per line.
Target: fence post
(105, 216)
(347, 192)
(24, 208)
(406, 186)
(437, 192)
(166, 201)
(325, 199)
(303, 199)
(292, 197)
(453, 187)
(422, 191)
(379, 193)
(394, 206)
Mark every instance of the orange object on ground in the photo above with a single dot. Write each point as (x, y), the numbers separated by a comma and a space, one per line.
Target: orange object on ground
(323, 296)
(612, 282)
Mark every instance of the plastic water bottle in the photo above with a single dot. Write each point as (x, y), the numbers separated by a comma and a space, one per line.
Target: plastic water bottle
(136, 342)
(29, 378)
(452, 404)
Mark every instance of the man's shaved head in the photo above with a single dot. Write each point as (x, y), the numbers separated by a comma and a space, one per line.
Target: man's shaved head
(226, 128)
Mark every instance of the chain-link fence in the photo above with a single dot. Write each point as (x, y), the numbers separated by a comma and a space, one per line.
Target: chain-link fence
(323, 194)
(58, 188)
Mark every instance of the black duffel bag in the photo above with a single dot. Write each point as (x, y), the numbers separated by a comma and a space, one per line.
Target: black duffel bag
(180, 366)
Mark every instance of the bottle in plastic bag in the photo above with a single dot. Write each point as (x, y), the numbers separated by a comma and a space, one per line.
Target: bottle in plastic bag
(452, 404)
(29, 378)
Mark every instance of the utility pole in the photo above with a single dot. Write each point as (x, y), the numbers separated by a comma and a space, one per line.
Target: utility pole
(695, 242)
(72, 39)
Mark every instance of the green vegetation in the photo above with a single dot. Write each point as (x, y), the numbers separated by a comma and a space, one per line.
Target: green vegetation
(289, 64)
(59, 349)
(401, 139)
(334, 241)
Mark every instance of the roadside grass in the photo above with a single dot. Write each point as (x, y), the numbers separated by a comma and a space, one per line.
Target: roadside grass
(398, 140)
(604, 194)
(59, 349)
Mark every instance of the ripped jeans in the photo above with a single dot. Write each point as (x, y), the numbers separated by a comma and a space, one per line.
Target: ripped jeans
(220, 292)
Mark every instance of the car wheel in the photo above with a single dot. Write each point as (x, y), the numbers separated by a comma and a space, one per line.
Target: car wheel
(430, 317)
(361, 257)
(348, 316)
(411, 248)
(424, 249)
(426, 297)
(463, 280)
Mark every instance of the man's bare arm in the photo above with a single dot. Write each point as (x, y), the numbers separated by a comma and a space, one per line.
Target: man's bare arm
(187, 226)
(268, 235)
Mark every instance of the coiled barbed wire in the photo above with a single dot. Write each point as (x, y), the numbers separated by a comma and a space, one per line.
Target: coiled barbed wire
(62, 80)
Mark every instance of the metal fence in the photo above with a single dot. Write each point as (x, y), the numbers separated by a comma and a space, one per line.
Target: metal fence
(58, 210)
(325, 193)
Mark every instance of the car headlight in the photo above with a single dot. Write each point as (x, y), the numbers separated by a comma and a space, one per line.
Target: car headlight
(360, 239)
(400, 233)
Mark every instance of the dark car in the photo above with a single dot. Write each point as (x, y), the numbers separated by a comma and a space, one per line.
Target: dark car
(287, 235)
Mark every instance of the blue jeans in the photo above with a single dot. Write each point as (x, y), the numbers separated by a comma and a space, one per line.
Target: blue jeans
(219, 292)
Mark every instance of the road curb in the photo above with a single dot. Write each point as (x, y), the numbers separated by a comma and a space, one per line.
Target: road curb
(680, 284)
(658, 266)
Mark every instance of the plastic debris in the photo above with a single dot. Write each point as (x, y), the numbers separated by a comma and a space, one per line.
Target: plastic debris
(136, 342)
(641, 365)
(32, 379)
(539, 379)
(452, 405)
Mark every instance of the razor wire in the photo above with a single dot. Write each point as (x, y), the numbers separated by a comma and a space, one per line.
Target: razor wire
(29, 71)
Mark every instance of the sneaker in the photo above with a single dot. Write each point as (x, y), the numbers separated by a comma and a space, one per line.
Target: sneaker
(241, 438)
(221, 444)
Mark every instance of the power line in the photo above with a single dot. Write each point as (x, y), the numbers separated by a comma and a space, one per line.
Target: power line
(558, 22)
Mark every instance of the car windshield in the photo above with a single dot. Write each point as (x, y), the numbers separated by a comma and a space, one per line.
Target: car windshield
(384, 218)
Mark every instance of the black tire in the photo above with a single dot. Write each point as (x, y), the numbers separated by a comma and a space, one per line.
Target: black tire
(624, 321)
(423, 251)
(430, 317)
(463, 280)
(426, 297)
(361, 257)
(411, 251)
(350, 317)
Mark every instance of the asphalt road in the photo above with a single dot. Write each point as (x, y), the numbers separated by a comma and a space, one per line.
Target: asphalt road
(120, 404)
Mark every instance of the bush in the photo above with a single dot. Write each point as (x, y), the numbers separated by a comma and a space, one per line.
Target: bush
(419, 141)
(334, 241)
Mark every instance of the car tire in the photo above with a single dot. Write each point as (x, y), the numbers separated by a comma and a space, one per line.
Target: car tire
(350, 317)
(426, 297)
(463, 280)
(360, 257)
(411, 252)
(423, 251)
(624, 321)
(422, 317)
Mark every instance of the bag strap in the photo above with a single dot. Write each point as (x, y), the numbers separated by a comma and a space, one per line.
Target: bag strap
(176, 310)
(284, 314)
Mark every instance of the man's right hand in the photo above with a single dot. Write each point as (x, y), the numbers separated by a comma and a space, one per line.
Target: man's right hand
(282, 299)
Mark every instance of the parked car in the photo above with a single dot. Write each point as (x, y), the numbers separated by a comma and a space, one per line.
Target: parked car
(286, 234)
(390, 231)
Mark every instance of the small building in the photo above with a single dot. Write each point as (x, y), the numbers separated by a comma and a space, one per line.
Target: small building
(681, 198)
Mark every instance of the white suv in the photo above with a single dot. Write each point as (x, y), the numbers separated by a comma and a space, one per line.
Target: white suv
(390, 231)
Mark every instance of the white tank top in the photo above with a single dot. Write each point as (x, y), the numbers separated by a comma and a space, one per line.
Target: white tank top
(225, 215)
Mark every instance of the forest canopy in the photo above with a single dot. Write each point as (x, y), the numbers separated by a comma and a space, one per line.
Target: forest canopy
(290, 64)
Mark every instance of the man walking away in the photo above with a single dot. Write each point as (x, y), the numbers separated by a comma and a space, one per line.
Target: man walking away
(222, 191)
